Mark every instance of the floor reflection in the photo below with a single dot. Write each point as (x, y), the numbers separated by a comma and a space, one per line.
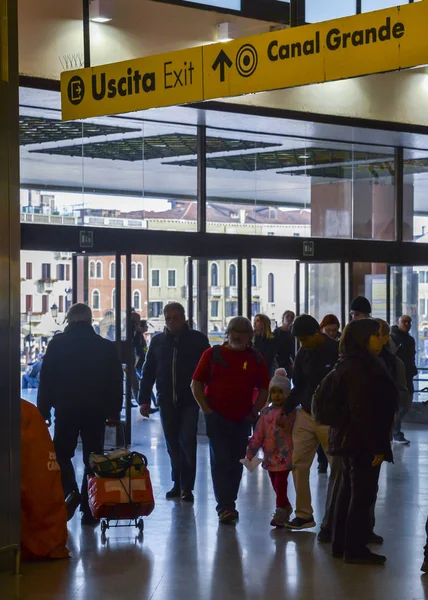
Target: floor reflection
(186, 555)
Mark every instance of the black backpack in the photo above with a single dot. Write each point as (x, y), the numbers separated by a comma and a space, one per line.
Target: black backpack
(329, 405)
(217, 356)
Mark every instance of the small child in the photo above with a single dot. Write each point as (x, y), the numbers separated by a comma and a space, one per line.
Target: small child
(277, 444)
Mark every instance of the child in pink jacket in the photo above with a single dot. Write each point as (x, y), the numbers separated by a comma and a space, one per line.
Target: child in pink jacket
(277, 444)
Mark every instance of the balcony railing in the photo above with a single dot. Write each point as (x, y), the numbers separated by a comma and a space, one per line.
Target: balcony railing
(185, 291)
(232, 291)
(216, 291)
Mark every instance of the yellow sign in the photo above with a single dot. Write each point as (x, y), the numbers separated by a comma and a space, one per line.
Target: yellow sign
(162, 80)
(376, 42)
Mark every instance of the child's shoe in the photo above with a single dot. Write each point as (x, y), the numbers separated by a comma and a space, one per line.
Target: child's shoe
(281, 516)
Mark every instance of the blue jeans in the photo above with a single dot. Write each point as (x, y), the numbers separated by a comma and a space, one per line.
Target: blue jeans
(180, 427)
(29, 382)
(228, 444)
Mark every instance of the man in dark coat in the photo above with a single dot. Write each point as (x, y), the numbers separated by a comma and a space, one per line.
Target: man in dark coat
(406, 350)
(170, 363)
(82, 379)
(315, 359)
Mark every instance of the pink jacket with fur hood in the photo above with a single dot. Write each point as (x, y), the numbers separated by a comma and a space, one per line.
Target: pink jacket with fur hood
(277, 442)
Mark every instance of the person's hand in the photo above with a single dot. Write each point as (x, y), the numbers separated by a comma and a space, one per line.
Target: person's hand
(145, 410)
(378, 460)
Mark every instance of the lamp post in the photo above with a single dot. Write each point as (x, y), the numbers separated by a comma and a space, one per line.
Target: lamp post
(54, 312)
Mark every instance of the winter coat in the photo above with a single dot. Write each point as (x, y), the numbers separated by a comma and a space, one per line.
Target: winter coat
(406, 350)
(397, 371)
(310, 368)
(81, 375)
(285, 349)
(170, 363)
(277, 442)
(372, 401)
(267, 348)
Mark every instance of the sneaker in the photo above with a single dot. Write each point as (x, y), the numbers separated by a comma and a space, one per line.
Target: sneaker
(299, 523)
(368, 558)
(400, 439)
(187, 496)
(227, 517)
(324, 537)
(281, 516)
(72, 502)
(375, 539)
(173, 493)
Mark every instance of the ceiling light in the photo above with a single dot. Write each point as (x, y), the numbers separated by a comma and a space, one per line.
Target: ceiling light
(224, 32)
(98, 12)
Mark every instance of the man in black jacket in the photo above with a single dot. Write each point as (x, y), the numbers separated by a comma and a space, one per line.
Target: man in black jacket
(82, 379)
(316, 358)
(170, 362)
(406, 350)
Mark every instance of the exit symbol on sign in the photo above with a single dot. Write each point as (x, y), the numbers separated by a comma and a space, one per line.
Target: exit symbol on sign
(308, 249)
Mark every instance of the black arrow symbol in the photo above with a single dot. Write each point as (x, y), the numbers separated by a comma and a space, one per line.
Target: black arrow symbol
(221, 61)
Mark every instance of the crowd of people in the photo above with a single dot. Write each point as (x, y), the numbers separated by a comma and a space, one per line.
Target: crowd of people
(343, 395)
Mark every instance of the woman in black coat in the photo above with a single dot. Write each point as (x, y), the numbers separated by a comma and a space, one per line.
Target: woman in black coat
(362, 439)
(265, 343)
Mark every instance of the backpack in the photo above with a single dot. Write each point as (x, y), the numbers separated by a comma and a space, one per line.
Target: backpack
(217, 356)
(329, 401)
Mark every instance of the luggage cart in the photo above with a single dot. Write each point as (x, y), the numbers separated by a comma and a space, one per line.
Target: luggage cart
(127, 512)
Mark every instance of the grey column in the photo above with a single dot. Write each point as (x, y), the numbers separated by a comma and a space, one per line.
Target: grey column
(9, 287)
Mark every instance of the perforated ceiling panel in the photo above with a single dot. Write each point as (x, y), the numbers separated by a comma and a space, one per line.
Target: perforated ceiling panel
(304, 159)
(159, 146)
(37, 130)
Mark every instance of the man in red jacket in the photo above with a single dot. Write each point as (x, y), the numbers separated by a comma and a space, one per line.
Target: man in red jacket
(223, 386)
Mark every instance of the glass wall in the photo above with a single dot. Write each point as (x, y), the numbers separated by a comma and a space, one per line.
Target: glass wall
(116, 171)
(283, 186)
(415, 195)
(325, 10)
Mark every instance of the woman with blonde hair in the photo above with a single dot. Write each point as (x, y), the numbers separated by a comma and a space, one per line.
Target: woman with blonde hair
(265, 342)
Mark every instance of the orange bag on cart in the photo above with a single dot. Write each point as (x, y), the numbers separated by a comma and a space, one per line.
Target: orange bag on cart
(43, 513)
(127, 498)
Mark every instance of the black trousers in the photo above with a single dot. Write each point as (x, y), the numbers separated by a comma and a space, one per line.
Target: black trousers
(426, 546)
(67, 430)
(228, 444)
(357, 494)
(180, 427)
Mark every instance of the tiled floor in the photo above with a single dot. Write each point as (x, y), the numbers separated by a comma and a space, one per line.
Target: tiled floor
(185, 555)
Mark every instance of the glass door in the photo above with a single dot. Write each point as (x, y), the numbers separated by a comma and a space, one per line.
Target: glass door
(408, 290)
(103, 282)
(216, 289)
(322, 289)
